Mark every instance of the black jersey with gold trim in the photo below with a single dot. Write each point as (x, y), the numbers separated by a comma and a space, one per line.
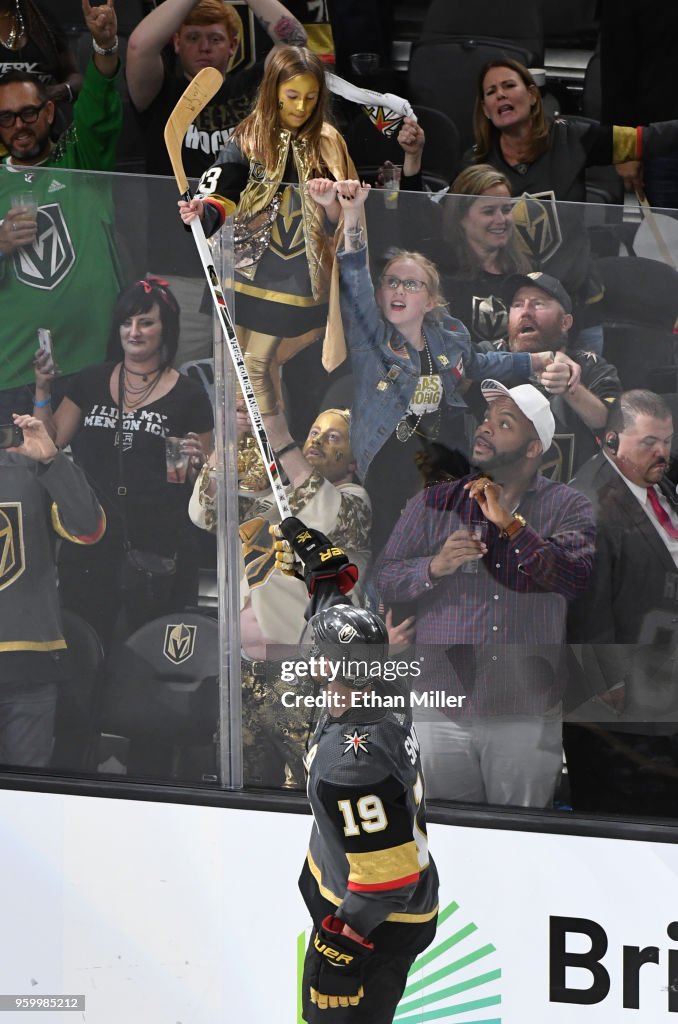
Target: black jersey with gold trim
(368, 858)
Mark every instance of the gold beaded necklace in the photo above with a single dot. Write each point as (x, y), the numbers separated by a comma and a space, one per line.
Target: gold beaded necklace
(18, 29)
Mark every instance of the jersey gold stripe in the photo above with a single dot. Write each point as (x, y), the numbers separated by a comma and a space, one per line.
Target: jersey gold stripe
(624, 144)
(283, 297)
(61, 530)
(380, 866)
(33, 645)
(332, 898)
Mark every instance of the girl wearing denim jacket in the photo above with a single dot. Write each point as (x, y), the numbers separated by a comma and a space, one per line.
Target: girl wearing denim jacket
(410, 362)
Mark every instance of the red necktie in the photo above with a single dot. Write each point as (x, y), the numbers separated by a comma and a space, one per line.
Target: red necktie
(661, 513)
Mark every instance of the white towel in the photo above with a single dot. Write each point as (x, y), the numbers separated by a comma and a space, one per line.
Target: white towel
(384, 109)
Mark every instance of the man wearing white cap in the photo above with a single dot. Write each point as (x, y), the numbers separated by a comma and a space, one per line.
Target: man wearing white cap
(492, 561)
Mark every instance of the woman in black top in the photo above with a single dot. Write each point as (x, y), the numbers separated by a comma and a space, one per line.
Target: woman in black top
(157, 402)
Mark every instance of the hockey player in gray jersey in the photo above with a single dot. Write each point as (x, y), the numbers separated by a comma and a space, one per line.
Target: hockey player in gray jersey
(368, 881)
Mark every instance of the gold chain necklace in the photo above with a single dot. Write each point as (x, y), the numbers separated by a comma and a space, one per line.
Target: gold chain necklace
(405, 427)
(17, 31)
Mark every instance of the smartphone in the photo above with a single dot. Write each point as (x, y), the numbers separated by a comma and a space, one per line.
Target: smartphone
(11, 436)
(45, 341)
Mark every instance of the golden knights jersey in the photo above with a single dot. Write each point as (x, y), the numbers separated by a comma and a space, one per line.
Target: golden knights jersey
(368, 857)
(39, 503)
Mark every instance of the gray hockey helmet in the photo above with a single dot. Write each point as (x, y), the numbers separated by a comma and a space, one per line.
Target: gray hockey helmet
(353, 636)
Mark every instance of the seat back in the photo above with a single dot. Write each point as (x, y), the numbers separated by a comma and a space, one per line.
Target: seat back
(519, 25)
(77, 696)
(163, 684)
(370, 148)
(573, 24)
(442, 152)
(202, 370)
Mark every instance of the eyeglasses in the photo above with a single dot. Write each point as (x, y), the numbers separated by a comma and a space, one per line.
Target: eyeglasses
(410, 284)
(29, 115)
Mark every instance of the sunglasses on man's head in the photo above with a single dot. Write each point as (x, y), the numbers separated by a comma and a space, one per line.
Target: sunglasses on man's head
(410, 284)
(29, 115)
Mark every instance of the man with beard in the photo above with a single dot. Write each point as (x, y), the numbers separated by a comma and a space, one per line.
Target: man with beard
(629, 614)
(540, 317)
(492, 561)
(58, 263)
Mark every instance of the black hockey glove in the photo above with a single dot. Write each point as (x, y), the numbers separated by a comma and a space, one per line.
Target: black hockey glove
(322, 559)
(337, 968)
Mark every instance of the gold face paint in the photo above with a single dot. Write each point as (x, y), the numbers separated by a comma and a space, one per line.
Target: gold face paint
(328, 448)
(297, 98)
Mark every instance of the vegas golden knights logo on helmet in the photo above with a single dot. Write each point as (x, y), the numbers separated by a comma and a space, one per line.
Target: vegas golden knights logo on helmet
(179, 642)
(535, 219)
(12, 552)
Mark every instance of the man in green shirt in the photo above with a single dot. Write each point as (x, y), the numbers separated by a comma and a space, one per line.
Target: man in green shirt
(58, 263)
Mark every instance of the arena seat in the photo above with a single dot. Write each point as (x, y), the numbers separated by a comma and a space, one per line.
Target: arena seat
(78, 696)
(162, 695)
(457, 40)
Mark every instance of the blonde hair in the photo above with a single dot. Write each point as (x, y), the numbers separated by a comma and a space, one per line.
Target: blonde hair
(483, 127)
(469, 186)
(431, 271)
(254, 134)
(345, 414)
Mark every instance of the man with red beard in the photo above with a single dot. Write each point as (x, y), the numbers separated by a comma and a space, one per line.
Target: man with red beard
(492, 561)
(628, 615)
(540, 317)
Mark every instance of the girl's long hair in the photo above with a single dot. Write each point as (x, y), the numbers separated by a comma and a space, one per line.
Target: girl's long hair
(483, 127)
(255, 133)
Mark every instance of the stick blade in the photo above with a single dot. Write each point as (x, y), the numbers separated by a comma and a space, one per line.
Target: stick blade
(195, 97)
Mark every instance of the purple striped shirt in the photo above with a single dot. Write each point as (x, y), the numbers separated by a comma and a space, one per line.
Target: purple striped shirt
(496, 635)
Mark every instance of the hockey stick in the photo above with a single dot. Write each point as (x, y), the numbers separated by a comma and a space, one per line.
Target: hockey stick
(199, 92)
(652, 220)
(328, 571)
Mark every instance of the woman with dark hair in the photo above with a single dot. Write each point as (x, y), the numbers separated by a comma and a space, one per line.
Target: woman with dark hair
(284, 152)
(126, 464)
(513, 134)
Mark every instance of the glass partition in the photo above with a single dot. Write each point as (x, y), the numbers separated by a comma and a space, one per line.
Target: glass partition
(519, 544)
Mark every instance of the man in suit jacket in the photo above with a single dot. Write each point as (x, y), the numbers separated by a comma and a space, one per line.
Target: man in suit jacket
(630, 616)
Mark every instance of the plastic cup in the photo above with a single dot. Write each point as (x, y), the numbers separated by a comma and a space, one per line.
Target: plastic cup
(177, 460)
(478, 528)
(365, 63)
(391, 177)
(27, 202)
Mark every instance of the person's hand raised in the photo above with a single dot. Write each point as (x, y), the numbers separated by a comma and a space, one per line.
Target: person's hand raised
(411, 138)
(102, 22)
(37, 443)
